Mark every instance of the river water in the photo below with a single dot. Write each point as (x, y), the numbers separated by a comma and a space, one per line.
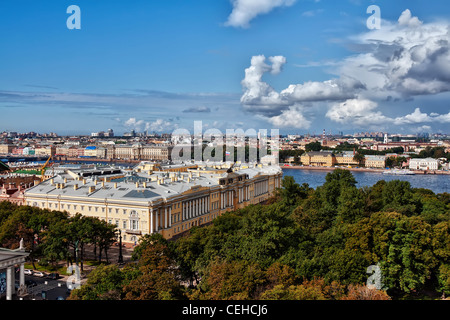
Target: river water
(315, 178)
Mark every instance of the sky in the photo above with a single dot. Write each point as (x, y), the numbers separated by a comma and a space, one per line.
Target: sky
(299, 66)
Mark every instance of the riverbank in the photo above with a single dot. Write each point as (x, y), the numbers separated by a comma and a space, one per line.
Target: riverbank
(360, 170)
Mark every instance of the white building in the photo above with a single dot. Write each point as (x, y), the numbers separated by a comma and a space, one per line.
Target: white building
(424, 164)
(9, 259)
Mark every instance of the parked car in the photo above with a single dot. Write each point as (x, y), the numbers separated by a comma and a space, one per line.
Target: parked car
(28, 272)
(53, 276)
(39, 274)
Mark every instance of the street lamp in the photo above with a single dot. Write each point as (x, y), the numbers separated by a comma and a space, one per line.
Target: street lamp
(120, 248)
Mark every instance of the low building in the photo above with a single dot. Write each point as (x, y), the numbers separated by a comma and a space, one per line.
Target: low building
(378, 162)
(318, 159)
(346, 158)
(9, 259)
(144, 201)
(426, 164)
(45, 151)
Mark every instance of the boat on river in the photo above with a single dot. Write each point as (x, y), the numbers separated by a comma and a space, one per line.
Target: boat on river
(401, 172)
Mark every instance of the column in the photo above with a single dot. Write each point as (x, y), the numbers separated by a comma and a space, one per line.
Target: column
(151, 221)
(157, 220)
(22, 275)
(197, 207)
(170, 216)
(9, 283)
(165, 218)
(182, 210)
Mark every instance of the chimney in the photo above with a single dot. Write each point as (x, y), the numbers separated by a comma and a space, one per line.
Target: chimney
(91, 189)
(52, 181)
(103, 184)
(75, 187)
(115, 185)
(145, 184)
(84, 181)
(65, 180)
(137, 184)
(159, 181)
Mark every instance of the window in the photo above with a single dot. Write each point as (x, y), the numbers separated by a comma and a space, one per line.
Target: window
(124, 224)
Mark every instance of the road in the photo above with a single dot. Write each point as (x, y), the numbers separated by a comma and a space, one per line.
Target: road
(53, 288)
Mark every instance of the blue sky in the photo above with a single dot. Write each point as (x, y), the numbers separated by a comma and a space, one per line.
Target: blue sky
(161, 65)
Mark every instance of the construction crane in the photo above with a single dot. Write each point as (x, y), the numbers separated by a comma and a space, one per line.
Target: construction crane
(43, 168)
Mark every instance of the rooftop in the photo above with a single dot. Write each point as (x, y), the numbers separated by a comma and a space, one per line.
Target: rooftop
(140, 186)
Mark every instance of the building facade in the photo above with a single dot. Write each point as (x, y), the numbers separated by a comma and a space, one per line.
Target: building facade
(6, 148)
(9, 259)
(346, 158)
(167, 202)
(378, 162)
(319, 159)
(426, 164)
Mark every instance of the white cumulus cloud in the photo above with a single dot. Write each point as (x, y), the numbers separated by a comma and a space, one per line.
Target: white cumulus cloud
(246, 10)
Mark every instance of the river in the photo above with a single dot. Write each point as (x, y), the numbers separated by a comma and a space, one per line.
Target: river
(315, 178)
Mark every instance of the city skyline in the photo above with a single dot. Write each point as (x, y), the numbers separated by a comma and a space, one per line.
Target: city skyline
(293, 65)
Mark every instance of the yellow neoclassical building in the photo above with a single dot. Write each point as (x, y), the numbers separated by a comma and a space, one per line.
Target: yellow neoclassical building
(168, 199)
(318, 159)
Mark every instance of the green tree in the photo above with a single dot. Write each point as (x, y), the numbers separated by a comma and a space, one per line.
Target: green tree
(313, 146)
(105, 282)
(158, 277)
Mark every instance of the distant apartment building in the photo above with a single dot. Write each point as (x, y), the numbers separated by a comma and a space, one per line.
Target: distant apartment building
(103, 134)
(67, 151)
(424, 164)
(46, 151)
(139, 151)
(6, 148)
(168, 199)
(330, 143)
